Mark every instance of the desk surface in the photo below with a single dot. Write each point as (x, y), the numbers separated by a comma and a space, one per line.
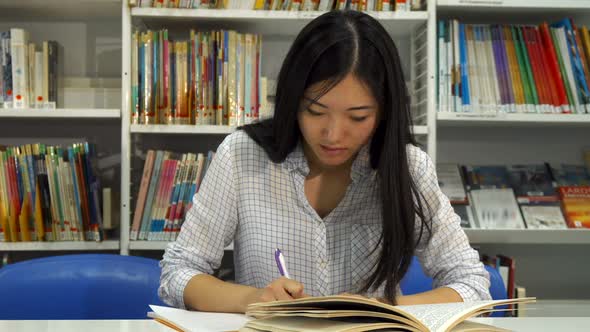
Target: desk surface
(524, 324)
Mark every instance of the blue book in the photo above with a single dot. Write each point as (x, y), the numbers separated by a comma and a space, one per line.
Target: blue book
(6, 63)
(146, 218)
(577, 67)
(464, 73)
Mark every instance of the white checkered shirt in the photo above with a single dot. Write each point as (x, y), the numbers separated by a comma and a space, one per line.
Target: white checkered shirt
(261, 205)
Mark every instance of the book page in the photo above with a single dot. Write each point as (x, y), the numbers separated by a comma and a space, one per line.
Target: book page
(442, 316)
(309, 324)
(200, 321)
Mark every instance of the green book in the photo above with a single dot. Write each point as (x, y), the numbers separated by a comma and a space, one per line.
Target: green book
(528, 68)
(521, 67)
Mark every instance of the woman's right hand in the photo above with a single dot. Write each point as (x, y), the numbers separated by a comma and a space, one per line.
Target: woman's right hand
(279, 289)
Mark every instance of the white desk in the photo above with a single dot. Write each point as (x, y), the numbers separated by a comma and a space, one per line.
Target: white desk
(525, 324)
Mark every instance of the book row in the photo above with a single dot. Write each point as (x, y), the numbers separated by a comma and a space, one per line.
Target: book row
(541, 196)
(211, 79)
(490, 68)
(291, 5)
(49, 193)
(28, 72)
(168, 184)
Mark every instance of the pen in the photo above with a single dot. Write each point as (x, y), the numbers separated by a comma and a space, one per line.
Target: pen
(281, 263)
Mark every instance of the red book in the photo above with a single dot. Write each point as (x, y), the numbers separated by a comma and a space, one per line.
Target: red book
(548, 81)
(509, 263)
(535, 66)
(553, 66)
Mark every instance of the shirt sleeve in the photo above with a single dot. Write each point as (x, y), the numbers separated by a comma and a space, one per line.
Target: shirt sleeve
(208, 228)
(447, 257)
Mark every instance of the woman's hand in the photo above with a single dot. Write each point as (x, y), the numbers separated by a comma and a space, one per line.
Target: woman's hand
(280, 289)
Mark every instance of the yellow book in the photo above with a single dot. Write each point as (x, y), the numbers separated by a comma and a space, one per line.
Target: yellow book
(513, 67)
(23, 219)
(353, 313)
(39, 227)
(4, 223)
(259, 4)
(585, 37)
(13, 224)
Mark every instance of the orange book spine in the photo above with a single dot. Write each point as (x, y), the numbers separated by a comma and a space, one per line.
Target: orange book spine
(141, 197)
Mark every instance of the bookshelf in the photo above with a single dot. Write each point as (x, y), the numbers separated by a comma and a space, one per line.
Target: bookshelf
(88, 94)
(278, 28)
(529, 236)
(62, 113)
(285, 23)
(112, 245)
(158, 245)
(448, 119)
(181, 129)
(511, 6)
(544, 257)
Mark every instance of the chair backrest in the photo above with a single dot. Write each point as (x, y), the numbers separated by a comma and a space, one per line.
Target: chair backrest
(85, 286)
(416, 281)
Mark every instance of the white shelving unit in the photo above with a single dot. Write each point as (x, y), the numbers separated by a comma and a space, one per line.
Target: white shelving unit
(158, 245)
(259, 21)
(60, 246)
(544, 257)
(513, 120)
(181, 129)
(529, 236)
(503, 6)
(418, 28)
(88, 39)
(79, 113)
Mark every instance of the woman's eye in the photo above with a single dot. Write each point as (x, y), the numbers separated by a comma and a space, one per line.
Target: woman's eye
(358, 118)
(312, 112)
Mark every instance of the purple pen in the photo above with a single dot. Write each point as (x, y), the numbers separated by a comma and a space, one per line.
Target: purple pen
(281, 263)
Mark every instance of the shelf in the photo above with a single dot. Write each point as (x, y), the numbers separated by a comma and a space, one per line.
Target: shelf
(268, 22)
(59, 246)
(43, 10)
(79, 113)
(449, 119)
(182, 129)
(528, 236)
(420, 130)
(158, 245)
(512, 5)
(210, 129)
(517, 11)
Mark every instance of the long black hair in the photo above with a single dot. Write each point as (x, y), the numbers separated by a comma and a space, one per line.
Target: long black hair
(329, 48)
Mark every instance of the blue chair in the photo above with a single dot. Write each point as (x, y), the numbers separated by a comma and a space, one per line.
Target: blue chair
(416, 281)
(84, 286)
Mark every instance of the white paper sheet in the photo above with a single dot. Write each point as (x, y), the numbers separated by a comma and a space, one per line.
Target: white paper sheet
(195, 321)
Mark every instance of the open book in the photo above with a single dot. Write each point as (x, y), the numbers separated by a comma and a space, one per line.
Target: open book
(352, 313)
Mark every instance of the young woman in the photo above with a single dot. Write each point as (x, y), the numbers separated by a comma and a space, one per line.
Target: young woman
(334, 180)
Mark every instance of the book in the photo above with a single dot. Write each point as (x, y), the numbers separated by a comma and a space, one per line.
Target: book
(355, 313)
(496, 209)
(536, 195)
(575, 202)
(450, 182)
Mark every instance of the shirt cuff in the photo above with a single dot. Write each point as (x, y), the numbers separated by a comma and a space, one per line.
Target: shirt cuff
(179, 284)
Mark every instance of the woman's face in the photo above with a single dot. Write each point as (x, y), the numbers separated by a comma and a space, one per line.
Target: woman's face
(339, 124)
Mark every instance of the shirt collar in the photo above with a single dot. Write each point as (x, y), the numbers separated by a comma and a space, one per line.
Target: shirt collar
(361, 165)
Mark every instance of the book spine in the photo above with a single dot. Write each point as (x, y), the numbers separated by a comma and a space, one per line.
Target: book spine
(6, 63)
(20, 68)
(141, 197)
